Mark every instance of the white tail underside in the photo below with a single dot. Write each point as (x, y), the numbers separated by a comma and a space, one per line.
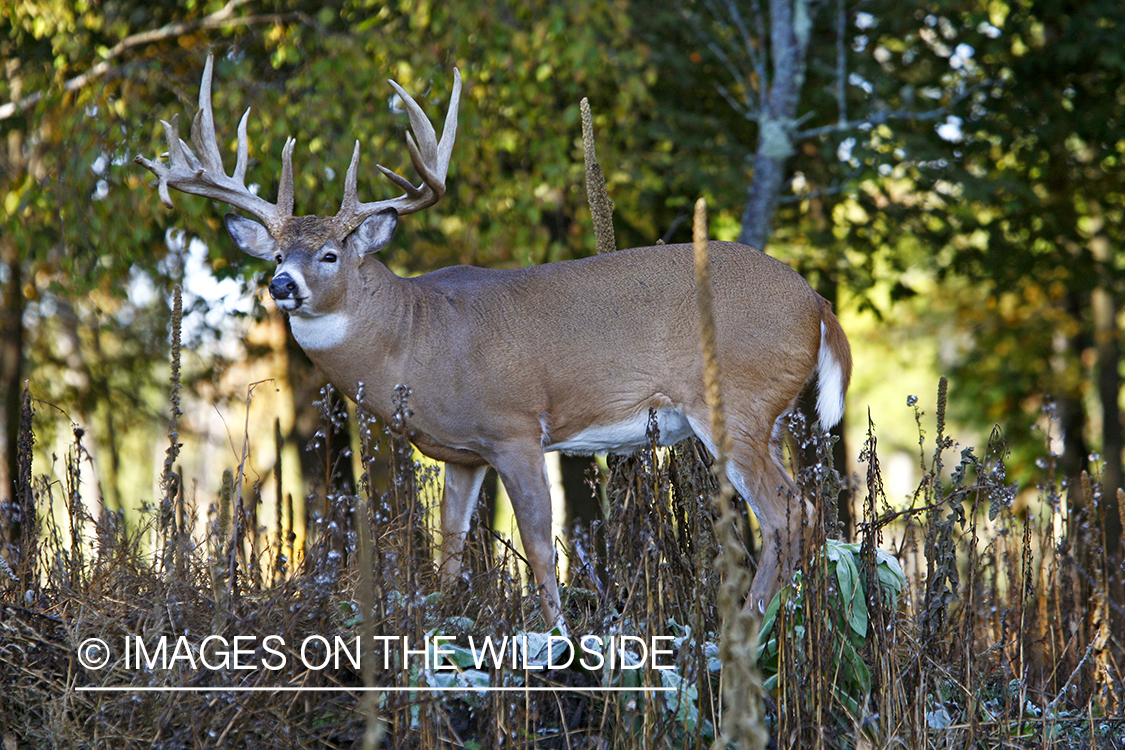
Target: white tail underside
(830, 392)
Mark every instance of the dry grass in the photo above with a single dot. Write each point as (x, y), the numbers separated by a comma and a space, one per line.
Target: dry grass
(1006, 635)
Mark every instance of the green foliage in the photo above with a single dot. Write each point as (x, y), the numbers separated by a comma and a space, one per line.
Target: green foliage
(845, 605)
(1010, 201)
(1010, 216)
(89, 83)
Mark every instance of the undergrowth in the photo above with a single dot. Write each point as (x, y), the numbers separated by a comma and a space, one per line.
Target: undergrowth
(980, 615)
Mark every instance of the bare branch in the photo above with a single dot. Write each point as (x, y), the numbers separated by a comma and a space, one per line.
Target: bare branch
(752, 50)
(753, 53)
(841, 62)
(222, 18)
(751, 113)
(760, 63)
(883, 116)
(836, 189)
(747, 107)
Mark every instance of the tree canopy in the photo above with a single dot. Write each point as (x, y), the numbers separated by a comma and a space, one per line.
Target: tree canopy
(953, 164)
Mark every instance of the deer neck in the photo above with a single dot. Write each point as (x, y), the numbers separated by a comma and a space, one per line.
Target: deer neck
(360, 347)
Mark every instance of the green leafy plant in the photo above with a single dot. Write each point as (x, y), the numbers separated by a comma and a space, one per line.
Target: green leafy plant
(847, 612)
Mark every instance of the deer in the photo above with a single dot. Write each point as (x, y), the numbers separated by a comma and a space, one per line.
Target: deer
(505, 365)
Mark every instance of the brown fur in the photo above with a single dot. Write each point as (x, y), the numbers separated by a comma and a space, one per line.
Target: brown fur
(502, 363)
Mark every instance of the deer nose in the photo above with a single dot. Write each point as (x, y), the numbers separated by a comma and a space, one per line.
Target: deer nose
(283, 286)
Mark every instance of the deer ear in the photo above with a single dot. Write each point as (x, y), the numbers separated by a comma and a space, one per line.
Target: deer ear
(375, 232)
(251, 237)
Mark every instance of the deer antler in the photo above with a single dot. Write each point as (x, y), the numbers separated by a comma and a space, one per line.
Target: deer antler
(430, 159)
(205, 175)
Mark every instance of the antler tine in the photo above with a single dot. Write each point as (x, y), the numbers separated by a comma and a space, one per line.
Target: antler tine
(401, 181)
(350, 201)
(158, 169)
(204, 175)
(203, 125)
(419, 123)
(449, 130)
(242, 159)
(429, 157)
(285, 187)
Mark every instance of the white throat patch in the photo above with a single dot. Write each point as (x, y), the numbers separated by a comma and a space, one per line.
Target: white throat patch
(319, 332)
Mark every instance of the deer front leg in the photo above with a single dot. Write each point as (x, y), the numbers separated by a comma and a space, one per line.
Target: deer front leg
(524, 474)
(458, 499)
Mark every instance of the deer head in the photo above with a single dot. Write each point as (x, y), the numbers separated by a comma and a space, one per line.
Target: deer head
(315, 255)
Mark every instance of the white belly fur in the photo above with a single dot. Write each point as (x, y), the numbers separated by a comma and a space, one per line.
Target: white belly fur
(626, 436)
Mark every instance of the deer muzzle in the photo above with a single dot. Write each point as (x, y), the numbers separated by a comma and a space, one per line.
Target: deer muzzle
(283, 286)
(285, 292)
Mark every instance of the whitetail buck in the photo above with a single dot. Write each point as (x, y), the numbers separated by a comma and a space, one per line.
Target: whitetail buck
(505, 365)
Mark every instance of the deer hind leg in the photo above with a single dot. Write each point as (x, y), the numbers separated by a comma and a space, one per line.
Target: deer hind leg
(524, 474)
(458, 499)
(755, 470)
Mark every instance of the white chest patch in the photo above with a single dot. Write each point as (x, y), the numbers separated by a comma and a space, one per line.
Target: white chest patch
(627, 435)
(321, 332)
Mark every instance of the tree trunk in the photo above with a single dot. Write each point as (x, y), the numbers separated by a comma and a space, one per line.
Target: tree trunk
(1107, 342)
(761, 203)
(11, 377)
(582, 504)
(790, 25)
(1108, 508)
(11, 368)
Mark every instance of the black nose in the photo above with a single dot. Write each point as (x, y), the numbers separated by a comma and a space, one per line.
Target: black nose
(282, 286)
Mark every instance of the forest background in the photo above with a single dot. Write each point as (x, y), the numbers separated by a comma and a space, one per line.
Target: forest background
(948, 173)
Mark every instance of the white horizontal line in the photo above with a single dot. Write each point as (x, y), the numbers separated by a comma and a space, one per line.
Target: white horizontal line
(436, 689)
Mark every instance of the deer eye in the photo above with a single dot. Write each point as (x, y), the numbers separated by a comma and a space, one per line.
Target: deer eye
(328, 258)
